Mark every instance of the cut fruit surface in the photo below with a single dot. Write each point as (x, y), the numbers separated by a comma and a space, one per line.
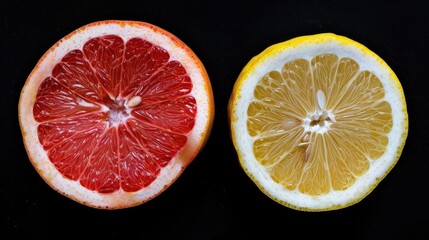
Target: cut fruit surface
(114, 112)
(317, 121)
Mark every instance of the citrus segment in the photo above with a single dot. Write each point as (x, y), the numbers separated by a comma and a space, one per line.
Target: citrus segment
(114, 112)
(318, 121)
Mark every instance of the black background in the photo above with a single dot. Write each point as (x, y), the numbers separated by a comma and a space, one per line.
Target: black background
(213, 198)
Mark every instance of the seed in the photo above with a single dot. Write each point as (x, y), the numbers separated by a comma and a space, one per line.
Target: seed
(134, 101)
(306, 137)
(321, 99)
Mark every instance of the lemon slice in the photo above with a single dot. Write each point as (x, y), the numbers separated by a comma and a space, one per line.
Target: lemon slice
(317, 121)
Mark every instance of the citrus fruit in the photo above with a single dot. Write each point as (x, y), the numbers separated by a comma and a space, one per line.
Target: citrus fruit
(114, 112)
(317, 121)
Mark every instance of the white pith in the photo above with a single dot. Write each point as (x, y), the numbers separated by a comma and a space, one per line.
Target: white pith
(275, 62)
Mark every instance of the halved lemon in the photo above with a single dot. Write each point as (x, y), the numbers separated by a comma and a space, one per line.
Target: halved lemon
(318, 121)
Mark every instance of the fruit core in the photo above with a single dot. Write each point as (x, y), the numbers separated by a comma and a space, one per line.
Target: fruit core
(321, 119)
(119, 110)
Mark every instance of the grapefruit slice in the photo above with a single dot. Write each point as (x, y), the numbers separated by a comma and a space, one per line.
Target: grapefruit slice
(114, 112)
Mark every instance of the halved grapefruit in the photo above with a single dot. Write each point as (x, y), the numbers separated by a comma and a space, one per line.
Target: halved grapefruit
(114, 112)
